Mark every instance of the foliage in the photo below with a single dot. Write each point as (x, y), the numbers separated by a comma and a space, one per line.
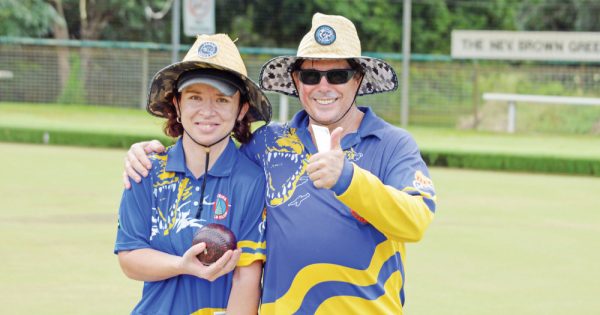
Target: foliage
(74, 137)
(563, 15)
(282, 23)
(26, 17)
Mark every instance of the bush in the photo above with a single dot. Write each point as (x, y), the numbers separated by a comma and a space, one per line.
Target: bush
(74, 138)
(519, 163)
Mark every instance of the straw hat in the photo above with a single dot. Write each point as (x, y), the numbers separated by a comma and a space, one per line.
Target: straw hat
(330, 37)
(208, 52)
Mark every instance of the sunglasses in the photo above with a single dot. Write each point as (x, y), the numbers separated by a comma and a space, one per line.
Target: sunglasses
(334, 76)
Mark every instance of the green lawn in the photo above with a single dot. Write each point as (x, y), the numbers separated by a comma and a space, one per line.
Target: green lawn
(80, 118)
(501, 243)
(139, 122)
(58, 223)
(505, 243)
(542, 144)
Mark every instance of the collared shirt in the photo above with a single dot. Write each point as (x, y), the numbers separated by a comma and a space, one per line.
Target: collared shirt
(340, 254)
(160, 213)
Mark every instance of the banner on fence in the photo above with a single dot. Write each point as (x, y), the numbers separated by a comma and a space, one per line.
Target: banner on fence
(506, 45)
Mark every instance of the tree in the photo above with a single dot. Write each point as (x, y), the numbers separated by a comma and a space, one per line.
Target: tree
(60, 31)
(564, 15)
(26, 18)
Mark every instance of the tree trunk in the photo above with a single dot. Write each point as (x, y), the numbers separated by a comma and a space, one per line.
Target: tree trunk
(91, 27)
(60, 31)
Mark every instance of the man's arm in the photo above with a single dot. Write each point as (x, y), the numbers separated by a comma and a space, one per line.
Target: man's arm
(137, 162)
(400, 214)
(396, 208)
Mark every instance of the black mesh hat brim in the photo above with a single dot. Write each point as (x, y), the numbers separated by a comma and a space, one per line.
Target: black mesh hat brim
(379, 77)
(164, 83)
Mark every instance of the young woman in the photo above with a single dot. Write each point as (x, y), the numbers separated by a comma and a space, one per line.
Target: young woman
(201, 179)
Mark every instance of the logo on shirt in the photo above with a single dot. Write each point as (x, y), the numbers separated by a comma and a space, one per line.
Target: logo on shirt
(352, 155)
(358, 217)
(263, 221)
(285, 163)
(422, 182)
(221, 207)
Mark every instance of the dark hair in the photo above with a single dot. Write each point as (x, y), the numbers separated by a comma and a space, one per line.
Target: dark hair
(241, 129)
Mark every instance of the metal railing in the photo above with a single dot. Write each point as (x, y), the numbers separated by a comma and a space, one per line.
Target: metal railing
(443, 92)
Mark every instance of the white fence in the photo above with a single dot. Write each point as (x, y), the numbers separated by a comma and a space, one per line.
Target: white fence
(512, 100)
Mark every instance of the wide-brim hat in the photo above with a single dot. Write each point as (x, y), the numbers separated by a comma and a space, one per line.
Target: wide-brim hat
(208, 52)
(330, 37)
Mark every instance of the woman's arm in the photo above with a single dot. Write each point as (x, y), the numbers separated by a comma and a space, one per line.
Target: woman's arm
(148, 264)
(245, 291)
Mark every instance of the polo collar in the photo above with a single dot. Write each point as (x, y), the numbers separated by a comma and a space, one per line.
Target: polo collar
(222, 167)
(371, 125)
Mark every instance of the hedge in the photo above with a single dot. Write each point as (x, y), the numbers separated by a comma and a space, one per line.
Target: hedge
(483, 161)
(517, 163)
(74, 138)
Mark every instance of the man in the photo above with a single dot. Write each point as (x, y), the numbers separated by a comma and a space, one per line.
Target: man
(338, 218)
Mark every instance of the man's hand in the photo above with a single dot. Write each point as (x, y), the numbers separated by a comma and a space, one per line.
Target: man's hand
(325, 168)
(190, 264)
(137, 162)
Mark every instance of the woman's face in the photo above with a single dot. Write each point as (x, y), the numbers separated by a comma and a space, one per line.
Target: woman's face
(207, 114)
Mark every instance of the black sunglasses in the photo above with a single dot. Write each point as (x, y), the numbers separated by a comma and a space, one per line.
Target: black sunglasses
(334, 76)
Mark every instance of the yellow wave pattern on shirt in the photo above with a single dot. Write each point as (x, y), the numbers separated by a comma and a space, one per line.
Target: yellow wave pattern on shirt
(209, 311)
(385, 304)
(314, 274)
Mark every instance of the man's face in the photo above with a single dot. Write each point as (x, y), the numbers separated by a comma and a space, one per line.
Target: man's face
(323, 101)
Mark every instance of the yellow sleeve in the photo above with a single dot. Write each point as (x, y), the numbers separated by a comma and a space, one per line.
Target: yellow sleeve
(398, 214)
(254, 251)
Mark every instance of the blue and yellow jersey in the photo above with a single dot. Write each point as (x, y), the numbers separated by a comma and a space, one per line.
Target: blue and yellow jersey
(160, 213)
(340, 254)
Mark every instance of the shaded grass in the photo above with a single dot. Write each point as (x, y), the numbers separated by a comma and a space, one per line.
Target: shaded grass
(501, 242)
(137, 122)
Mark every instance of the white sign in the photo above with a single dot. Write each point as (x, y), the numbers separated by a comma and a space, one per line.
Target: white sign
(565, 46)
(198, 17)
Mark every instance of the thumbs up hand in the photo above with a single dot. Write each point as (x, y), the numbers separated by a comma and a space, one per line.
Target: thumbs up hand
(325, 168)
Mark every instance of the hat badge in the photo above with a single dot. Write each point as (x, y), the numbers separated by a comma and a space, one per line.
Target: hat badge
(207, 49)
(325, 35)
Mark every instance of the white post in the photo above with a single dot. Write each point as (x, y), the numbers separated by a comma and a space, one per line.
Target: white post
(283, 108)
(405, 62)
(144, 78)
(512, 117)
(176, 22)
